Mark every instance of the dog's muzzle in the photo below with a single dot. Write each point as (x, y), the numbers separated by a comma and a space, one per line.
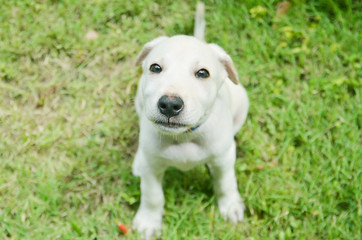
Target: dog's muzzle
(170, 107)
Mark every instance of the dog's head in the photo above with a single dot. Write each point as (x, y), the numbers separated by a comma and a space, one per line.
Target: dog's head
(181, 79)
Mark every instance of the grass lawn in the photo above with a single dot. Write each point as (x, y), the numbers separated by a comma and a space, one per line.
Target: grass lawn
(68, 128)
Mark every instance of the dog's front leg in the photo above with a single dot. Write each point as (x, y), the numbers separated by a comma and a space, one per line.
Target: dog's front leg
(225, 186)
(149, 215)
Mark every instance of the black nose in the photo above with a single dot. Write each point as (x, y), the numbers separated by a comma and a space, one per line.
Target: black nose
(170, 106)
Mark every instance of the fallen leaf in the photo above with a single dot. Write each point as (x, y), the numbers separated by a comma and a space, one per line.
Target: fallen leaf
(259, 167)
(282, 8)
(91, 35)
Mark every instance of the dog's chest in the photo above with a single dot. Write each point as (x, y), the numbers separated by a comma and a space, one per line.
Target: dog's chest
(184, 155)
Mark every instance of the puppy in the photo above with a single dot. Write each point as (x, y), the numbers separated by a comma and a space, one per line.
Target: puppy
(190, 105)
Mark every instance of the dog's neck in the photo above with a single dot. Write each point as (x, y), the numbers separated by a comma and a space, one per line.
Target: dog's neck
(191, 134)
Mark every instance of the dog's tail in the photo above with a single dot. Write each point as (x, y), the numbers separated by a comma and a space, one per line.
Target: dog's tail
(199, 30)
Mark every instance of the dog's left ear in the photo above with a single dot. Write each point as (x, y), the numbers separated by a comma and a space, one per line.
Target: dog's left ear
(147, 49)
(227, 62)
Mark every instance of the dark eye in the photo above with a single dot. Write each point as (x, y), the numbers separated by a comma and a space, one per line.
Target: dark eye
(155, 68)
(202, 73)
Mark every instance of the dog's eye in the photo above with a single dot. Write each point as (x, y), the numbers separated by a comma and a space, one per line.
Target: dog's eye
(202, 73)
(155, 68)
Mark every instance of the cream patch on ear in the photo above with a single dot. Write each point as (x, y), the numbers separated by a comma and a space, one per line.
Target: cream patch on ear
(231, 70)
(227, 62)
(147, 49)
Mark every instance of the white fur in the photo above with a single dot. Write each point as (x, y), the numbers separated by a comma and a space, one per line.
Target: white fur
(215, 104)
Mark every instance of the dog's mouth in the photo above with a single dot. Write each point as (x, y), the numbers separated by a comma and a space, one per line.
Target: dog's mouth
(174, 127)
(170, 127)
(170, 124)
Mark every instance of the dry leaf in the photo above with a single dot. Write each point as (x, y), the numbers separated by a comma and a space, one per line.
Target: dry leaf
(91, 35)
(259, 167)
(282, 8)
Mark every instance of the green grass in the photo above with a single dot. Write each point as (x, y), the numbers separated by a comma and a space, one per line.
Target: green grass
(68, 129)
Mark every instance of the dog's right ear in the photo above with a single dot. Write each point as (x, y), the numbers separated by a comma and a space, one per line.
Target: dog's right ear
(227, 62)
(147, 49)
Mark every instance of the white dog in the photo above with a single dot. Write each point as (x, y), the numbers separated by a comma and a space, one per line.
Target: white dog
(190, 106)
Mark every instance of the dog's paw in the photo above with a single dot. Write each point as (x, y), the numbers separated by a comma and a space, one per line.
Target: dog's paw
(232, 210)
(147, 225)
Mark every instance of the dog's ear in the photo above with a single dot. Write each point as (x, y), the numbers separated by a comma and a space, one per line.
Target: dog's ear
(147, 49)
(227, 62)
